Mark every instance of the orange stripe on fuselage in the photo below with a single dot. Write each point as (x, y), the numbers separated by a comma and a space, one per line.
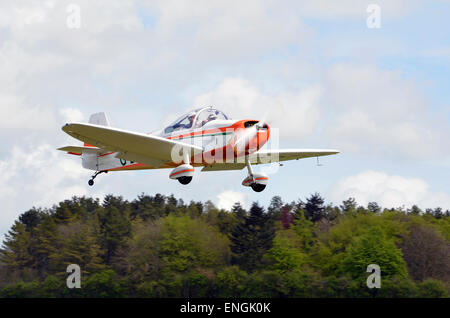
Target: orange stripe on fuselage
(202, 132)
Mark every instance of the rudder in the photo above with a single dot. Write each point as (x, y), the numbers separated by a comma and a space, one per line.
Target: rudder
(99, 119)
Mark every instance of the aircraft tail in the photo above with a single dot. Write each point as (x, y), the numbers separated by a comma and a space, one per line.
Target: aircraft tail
(98, 119)
(92, 157)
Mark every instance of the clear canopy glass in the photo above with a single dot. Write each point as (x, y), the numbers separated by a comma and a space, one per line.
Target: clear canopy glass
(196, 119)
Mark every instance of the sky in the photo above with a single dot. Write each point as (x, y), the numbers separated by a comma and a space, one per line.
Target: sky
(322, 72)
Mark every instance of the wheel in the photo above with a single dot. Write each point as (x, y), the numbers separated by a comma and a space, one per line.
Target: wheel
(258, 187)
(184, 180)
(91, 182)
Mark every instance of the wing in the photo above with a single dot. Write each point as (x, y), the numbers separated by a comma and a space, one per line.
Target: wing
(224, 166)
(276, 155)
(269, 156)
(130, 145)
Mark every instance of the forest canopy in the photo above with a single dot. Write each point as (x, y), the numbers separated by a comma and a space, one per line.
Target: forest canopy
(160, 246)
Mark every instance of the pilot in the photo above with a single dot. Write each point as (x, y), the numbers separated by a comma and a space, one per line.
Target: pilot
(191, 121)
(210, 118)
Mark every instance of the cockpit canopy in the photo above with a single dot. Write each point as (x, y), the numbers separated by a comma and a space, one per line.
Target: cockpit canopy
(196, 119)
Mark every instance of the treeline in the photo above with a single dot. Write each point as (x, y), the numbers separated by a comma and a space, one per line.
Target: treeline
(159, 246)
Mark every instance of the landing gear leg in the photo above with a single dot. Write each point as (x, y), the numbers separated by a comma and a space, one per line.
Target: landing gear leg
(249, 168)
(91, 181)
(257, 181)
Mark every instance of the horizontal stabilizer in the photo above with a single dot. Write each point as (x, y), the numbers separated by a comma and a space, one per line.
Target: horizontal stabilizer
(78, 150)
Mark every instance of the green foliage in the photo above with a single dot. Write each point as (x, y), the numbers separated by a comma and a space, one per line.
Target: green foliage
(189, 243)
(315, 207)
(304, 230)
(373, 248)
(79, 246)
(397, 287)
(231, 282)
(114, 227)
(284, 256)
(103, 284)
(158, 246)
(15, 253)
(432, 288)
(252, 238)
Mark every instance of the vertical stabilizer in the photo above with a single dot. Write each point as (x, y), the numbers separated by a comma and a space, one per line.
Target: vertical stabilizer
(99, 119)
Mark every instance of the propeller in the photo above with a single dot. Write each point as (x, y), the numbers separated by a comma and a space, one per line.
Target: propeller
(248, 137)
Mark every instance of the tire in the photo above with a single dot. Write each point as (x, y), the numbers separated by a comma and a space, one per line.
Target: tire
(184, 180)
(258, 187)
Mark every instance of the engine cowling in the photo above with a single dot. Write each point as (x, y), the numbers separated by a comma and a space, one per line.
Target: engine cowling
(257, 182)
(182, 173)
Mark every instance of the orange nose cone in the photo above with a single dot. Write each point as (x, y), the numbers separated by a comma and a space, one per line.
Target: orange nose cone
(250, 136)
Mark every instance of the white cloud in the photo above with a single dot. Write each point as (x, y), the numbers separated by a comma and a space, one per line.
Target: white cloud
(72, 115)
(389, 191)
(228, 29)
(294, 113)
(228, 198)
(354, 9)
(38, 176)
(379, 111)
(15, 114)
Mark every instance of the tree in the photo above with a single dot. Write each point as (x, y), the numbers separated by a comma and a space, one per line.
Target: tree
(415, 210)
(144, 207)
(15, 251)
(427, 253)
(275, 207)
(239, 211)
(45, 245)
(287, 217)
(373, 207)
(304, 230)
(373, 248)
(114, 228)
(158, 246)
(432, 288)
(252, 239)
(315, 207)
(438, 213)
(349, 206)
(191, 243)
(194, 210)
(79, 246)
(284, 256)
(31, 218)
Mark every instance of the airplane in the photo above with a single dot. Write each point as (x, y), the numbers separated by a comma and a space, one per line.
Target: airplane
(204, 137)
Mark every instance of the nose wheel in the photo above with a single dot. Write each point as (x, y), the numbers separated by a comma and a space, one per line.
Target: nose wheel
(91, 180)
(256, 181)
(258, 187)
(184, 180)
